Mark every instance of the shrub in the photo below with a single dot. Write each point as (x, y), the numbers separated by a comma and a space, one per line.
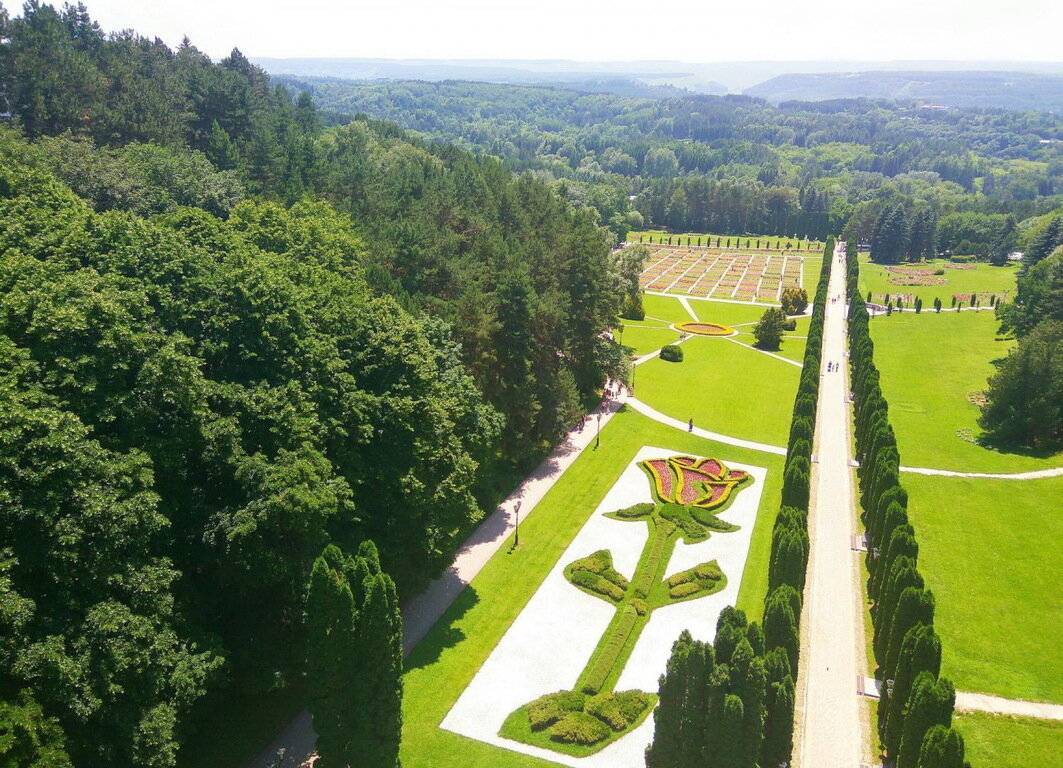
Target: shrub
(597, 584)
(548, 709)
(579, 728)
(606, 709)
(603, 663)
(769, 329)
(633, 703)
(685, 590)
(641, 607)
(794, 300)
(790, 325)
(672, 353)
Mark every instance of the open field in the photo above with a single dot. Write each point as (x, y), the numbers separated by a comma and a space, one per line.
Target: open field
(642, 338)
(445, 662)
(929, 364)
(989, 550)
(726, 274)
(743, 242)
(958, 279)
(998, 741)
(724, 387)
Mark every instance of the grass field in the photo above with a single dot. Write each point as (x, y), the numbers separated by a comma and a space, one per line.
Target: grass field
(725, 388)
(996, 741)
(667, 309)
(645, 337)
(984, 278)
(448, 658)
(929, 364)
(989, 549)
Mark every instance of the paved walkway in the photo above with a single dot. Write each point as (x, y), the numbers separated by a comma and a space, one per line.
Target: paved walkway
(656, 415)
(1035, 475)
(984, 702)
(830, 727)
(420, 613)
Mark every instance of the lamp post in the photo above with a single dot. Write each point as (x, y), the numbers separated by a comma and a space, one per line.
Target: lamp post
(598, 435)
(516, 531)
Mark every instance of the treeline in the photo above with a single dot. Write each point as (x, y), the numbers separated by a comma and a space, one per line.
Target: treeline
(730, 703)
(522, 278)
(916, 704)
(231, 339)
(1024, 401)
(734, 164)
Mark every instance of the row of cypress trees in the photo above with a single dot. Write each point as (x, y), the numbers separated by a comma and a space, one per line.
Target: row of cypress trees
(915, 711)
(354, 660)
(730, 703)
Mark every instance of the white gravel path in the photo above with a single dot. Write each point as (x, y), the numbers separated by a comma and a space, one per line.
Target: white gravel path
(550, 642)
(831, 727)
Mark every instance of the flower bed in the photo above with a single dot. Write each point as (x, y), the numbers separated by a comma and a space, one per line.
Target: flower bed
(705, 329)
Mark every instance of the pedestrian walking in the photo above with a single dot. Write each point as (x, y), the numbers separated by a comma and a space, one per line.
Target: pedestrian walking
(690, 426)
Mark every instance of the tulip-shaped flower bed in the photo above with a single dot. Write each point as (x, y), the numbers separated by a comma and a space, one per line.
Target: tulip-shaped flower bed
(688, 493)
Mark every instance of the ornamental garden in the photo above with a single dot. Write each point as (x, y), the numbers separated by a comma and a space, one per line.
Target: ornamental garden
(722, 274)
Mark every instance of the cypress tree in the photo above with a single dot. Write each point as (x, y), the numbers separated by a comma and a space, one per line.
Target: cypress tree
(670, 717)
(728, 749)
(901, 543)
(942, 748)
(780, 623)
(789, 557)
(795, 483)
(779, 710)
(903, 574)
(915, 606)
(930, 704)
(920, 652)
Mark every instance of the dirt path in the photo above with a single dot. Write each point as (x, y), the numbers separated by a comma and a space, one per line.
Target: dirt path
(420, 613)
(830, 732)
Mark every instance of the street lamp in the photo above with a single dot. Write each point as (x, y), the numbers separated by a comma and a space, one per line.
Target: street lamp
(598, 435)
(516, 531)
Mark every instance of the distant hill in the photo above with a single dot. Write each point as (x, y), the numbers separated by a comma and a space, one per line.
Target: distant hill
(641, 79)
(1010, 90)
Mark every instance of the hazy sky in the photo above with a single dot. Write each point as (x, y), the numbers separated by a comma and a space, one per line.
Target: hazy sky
(686, 30)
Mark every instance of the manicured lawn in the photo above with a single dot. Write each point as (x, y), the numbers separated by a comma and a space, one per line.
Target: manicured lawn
(448, 658)
(643, 339)
(725, 388)
(657, 234)
(665, 308)
(989, 550)
(997, 741)
(725, 313)
(983, 278)
(793, 347)
(929, 364)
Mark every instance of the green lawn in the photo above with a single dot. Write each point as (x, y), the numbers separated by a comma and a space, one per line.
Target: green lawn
(448, 658)
(665, 308)
(929, 364)
(984, 277)
(726, 388)
(793, 347)
(726, 313)
(642, 339)
(996, 741)
(989, 549)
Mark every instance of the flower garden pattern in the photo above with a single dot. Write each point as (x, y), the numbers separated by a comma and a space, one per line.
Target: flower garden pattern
(687, 492)
(712, 273)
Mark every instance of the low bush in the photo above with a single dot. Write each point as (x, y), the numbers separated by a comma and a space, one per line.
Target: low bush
(579, 728)
(686, 590)
(549, 709)
(606, 709)
(633, 703)
(672, 353)
(790, 325)
(641, 607)
(597, 584)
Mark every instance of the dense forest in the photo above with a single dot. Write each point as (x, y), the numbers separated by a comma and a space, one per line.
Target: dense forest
(735, 164)
(232, 337)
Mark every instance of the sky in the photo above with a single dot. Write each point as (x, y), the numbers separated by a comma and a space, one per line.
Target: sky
(601, 30)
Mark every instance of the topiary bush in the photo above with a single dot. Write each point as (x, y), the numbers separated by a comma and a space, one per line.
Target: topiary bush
(579, 728)
(672, 353)
(549, 709)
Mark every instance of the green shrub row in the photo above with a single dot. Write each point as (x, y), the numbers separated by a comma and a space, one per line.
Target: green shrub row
(660, 546)
(915, 718)
(597, 584)
(598, 671)
(595, 573)
(579, 728)
(693, 521)
(704, 571)
(549, 709)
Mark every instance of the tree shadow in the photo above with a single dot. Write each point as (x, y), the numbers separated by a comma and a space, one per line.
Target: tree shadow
(1006, 448)
(443, 634)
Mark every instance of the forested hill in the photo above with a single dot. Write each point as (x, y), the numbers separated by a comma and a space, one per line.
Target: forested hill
(228, 337)
(1008, 90)
(735, 164)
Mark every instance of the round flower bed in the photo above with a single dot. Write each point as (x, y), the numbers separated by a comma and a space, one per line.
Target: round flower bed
(705, 329)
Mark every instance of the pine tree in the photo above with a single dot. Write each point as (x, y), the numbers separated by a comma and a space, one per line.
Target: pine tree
(915, 606)
(779, 717)
(780, 622)
(670, 724)
(1046, 242)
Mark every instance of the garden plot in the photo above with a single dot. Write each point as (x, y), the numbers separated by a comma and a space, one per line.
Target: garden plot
(711, 273)
(554, 637)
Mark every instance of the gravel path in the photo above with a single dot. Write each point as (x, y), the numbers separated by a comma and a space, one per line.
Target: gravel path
(831, 731)
(1034, 475)
(983, 702)
(420, 613)
(656, 415)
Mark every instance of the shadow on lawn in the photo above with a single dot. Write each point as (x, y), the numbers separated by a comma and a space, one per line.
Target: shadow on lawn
(443, 634)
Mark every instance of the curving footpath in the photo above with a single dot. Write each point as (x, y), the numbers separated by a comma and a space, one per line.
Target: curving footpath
(1034, 475)
(296, 742)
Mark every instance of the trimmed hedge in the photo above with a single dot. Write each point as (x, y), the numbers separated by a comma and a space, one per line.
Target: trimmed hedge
(579, 728)
(598, 672)
(595, 573)
(672, 353)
